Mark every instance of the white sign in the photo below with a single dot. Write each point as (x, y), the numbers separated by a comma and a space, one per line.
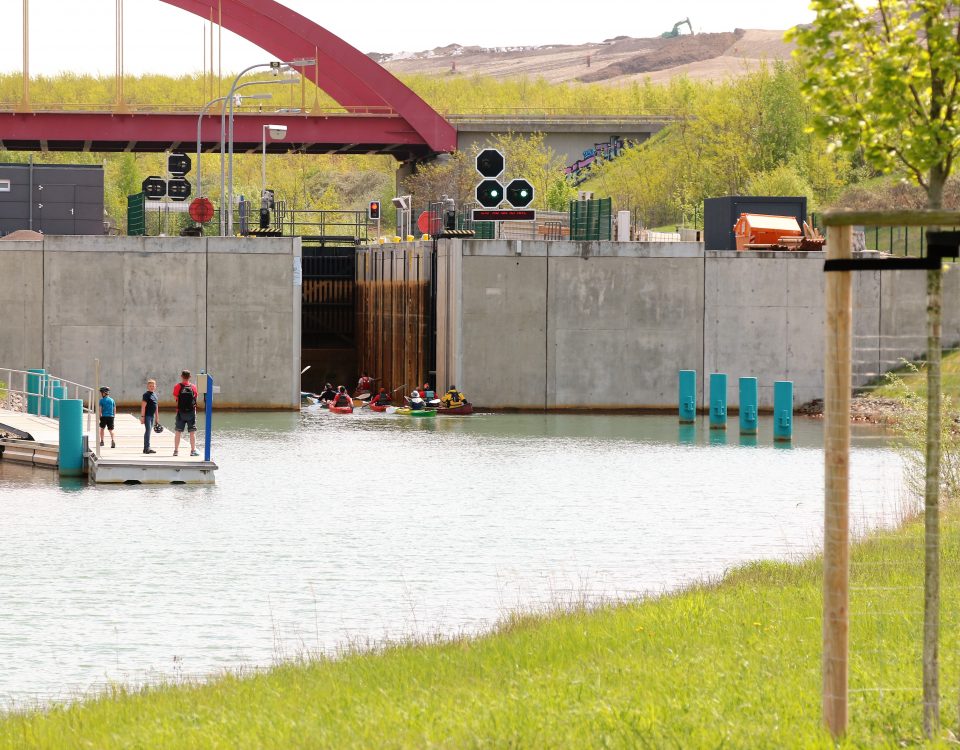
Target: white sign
(297, 271)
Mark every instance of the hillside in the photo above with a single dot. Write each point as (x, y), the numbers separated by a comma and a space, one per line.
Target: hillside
(616, 61)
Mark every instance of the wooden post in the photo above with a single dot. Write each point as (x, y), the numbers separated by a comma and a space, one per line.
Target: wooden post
(836, 527)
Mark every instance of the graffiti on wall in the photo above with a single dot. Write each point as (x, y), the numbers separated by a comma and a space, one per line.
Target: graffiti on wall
(579, 171)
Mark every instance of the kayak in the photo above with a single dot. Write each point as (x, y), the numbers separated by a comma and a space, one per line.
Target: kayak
(378, 408)
(464, 408)
(406, 411)
(341, 409)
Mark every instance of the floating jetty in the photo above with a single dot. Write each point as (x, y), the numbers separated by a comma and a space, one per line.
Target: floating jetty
(33, 438)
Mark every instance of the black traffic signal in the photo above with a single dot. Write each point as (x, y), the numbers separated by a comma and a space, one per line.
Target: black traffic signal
(490, 163)
(178, 164)
(519, 193)
(490, 193)
(264, 218)
(154, 188)
(178, 189)
(373, 211)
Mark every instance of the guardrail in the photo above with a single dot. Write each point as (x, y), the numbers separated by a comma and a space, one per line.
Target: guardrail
(16, 383)
(194, 109)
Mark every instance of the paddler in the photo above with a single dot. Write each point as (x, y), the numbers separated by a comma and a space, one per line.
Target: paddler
(365, 384)
(328, 395)
(342, 398)
(453, 398)
(382, 398)
(416, 401)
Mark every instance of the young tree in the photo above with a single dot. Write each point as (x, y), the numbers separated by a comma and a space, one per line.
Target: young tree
(886, 79)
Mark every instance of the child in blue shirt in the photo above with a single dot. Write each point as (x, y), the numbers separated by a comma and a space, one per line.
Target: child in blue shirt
(108, 410)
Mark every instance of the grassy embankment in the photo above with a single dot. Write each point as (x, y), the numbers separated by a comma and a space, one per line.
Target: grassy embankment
(734, 664)
(914, 379)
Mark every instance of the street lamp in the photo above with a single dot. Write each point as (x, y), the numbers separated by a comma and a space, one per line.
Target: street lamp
(276, 66)
(203, 111)
(277, 133)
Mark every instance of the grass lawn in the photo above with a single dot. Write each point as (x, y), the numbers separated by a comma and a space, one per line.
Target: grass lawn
(734, 664)
(917, 380)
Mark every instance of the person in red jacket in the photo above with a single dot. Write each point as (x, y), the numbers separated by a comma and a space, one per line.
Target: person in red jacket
(342, 398)
(185, 394)
(382, 398)
(365, 384)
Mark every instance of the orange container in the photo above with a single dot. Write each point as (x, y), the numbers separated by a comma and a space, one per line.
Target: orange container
(762, 229)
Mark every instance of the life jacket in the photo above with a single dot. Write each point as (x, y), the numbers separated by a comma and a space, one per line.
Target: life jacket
(342, 400)
(186, 399)
(365, 384)
(382, 398)
(453, 398)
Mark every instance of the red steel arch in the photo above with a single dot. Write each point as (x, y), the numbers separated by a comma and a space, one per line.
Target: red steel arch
(383, 115)
(350, 77)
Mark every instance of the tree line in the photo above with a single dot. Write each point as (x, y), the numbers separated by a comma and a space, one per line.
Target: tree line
(748, 134)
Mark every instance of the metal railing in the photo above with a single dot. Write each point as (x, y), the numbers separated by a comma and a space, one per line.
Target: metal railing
(194, 109)
(902, 240)
(15, 393)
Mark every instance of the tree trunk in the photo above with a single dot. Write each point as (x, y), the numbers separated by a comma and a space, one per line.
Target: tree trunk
(931, 515)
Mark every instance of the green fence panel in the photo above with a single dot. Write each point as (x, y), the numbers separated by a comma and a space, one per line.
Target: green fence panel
(136, 215)
(591, 220)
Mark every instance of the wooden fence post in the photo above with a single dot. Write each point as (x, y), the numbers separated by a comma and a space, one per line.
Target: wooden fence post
(836, 526)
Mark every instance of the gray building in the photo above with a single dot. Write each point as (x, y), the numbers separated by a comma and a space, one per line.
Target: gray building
(51, 198)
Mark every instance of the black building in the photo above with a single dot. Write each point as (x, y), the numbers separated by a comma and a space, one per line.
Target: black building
(51, 198)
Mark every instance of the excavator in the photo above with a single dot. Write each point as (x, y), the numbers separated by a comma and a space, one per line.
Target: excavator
(676, 29)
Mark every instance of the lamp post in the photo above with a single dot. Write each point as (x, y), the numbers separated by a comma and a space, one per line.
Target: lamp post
(276, 66)
(277, 133)
(203, 111)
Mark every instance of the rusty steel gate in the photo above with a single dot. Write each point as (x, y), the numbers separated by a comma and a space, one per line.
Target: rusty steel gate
(396, 328)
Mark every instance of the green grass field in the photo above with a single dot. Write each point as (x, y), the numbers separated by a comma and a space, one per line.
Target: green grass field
(735, 664)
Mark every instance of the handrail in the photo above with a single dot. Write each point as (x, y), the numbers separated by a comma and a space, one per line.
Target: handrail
(192, 109)
(8, 375)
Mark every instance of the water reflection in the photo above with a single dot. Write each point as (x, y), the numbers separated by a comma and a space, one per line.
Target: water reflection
(323, 529)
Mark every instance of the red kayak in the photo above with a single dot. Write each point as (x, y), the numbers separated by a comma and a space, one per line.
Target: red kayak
(464, 408)
(378, 408)
(341, 410)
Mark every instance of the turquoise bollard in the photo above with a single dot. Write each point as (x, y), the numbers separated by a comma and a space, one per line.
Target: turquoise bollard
(783, 410)
(70, 461)
(718, 401)
(34, 383)
(748, 406)
(688, 396)
(59, 393)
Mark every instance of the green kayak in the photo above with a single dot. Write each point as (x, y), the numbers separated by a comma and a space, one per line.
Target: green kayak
(406, 411)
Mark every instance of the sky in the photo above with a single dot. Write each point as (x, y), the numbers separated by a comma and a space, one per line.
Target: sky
(66, 35)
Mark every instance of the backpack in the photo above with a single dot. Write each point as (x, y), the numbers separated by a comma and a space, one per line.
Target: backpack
(186, 399)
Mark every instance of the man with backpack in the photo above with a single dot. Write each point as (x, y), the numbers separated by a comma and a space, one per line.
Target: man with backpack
(185, 394)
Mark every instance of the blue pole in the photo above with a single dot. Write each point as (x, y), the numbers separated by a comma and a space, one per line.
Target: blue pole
(748, 406)
(71, 437)
(208, 413)
(718, 401)
(59, 393)
(33, 390)
(783, 410)
(688, 396)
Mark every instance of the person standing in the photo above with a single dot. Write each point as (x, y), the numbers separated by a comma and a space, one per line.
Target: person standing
(149, 413)
(185, 394)
(108, 410)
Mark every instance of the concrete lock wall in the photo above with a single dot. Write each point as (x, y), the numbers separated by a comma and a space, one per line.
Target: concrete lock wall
(151, 306)
(608, 325)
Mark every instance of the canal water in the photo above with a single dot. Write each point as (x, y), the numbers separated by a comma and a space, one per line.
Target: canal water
(324, 530)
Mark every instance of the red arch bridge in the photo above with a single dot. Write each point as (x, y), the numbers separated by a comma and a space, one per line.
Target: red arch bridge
(376, 114)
